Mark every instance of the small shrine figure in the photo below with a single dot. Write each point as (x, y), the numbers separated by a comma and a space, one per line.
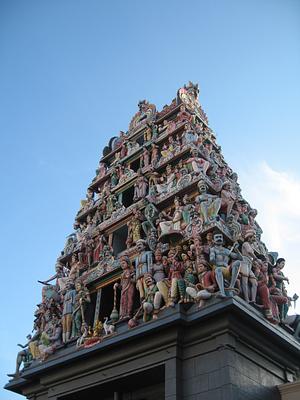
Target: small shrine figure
(206, 286)
(209, 204)
(219, 257)
(169, 180)
(145, 159)
(199, 165)
(143, 263)
(135, 227)
(25, 355)
(140, 187)
(148, 133)
(173, 223)
(101, 170)
(159, 275)
(154, 155)
(127, 286)
(183, 116)
(152, 301)
(114, 177)
(175, 276)
(247, 275)
(187, 210)
(227, 199)
(78, 315)
(280, 280)
(132, 147)
(68, 308)
(189, 137)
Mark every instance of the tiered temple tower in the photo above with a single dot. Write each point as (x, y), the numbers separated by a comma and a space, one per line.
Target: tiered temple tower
(164, 290)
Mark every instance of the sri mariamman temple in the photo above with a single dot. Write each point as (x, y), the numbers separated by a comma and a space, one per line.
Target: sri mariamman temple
(164, 289)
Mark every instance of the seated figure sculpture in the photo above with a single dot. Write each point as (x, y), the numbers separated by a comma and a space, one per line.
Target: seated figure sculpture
(219, 257)
(209, 204)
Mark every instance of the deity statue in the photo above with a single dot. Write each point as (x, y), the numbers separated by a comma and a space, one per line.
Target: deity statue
(134, 227)
(227, 199)
(187, 210)
(143, 263)
(68, 308)
(209, 204)
(247, 275)
(159, 275)
(127, 286)
(154, 155)
(51, 339)
(169, 180)
(199, 165)
(183, 116)
(145, 159)
(101, 170)
(151, 303)
(82, 297)
(280, 280)
(219, 257)
(174, 222)
(175, 276)
(203, 290)
(140, 187)
(189, 137)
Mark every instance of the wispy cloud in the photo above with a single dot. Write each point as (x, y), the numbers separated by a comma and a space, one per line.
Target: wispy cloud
(276, 196)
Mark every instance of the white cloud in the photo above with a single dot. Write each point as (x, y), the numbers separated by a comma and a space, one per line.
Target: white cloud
(276, 196)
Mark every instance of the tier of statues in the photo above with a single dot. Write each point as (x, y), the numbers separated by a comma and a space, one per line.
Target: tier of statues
(166, 220)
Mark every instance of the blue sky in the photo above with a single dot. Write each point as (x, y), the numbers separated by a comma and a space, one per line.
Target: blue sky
(71, 75)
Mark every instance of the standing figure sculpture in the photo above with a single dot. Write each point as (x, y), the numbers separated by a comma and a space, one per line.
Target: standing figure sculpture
(159, 276)
(68, 308)
(126, 285)
(143, 263)
(78, 316)
(247, 275)
(219, 257)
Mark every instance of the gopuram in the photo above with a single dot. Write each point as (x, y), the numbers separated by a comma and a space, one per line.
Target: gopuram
(164, 290)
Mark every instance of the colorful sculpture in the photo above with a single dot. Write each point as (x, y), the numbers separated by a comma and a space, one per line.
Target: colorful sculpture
(163, 185)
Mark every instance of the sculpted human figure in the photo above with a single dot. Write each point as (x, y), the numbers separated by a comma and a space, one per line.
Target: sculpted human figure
(24, 355)
(82, 297)
(199, 165)
(227, 199)
(189, 137)
(183, 116)
(154, 154)
(187, 210)
(152, 301)
(68, 308)
(127, 286)
(172, 223)
(140, 187)
(209, 204)
(143, 263)
(74, 268)
(247, 275)
(101, 171)
(134, 227)
(169, 180)
(280, 280)
(203, 290)
(60, 276)
(52, 340)
(219, 257)
(145, 159)
(159, 275)
(175, 276)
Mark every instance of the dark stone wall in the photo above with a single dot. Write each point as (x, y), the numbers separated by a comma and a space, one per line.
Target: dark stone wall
(221, 352)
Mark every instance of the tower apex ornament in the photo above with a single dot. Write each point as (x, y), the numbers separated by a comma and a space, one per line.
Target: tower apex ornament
(189, 96)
